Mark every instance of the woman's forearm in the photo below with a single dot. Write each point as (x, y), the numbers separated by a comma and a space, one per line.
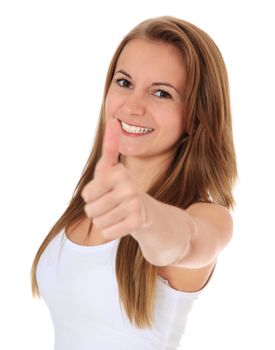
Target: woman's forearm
(167, 234)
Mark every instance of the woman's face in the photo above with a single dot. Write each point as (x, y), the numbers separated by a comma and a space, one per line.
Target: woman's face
(147, 90)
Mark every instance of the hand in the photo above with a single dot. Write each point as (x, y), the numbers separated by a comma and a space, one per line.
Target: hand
(114, 201)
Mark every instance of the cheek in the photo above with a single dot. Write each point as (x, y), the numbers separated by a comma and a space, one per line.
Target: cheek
(108, 104)
(112, 103)
(179, 121)
(172, 122)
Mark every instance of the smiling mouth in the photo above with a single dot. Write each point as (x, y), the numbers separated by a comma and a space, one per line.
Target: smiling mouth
(135, 126)
(129, 130)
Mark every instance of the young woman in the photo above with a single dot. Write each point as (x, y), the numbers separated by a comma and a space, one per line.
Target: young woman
(150, 214)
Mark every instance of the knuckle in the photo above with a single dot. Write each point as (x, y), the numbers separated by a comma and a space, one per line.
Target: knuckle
(88, 210)
(85, 192)
(135, 201)
(123, 190)
(135, 222)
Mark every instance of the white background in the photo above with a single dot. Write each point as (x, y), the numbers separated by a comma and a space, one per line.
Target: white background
(53, 61)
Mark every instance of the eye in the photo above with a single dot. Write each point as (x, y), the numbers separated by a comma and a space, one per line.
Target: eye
(124, 83)
(120, 82)
(164, 94)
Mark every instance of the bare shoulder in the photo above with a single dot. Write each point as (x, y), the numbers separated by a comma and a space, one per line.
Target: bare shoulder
(185, 279)
(214, 217)
(208, 208)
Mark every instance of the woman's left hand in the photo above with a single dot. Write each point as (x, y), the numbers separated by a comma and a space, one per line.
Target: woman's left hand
(114, 201)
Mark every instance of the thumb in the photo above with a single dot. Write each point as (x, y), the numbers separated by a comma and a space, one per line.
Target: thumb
(110, 145)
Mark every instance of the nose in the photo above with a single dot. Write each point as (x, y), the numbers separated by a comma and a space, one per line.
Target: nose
(133, 104)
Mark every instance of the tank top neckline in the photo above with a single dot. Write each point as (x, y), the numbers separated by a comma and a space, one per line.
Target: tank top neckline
(87, 247)
(110, 245)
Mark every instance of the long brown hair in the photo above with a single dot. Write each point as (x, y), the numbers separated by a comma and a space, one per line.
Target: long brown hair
(203, 167)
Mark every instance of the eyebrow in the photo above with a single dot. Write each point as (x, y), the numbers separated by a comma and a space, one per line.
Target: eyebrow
(153, 84)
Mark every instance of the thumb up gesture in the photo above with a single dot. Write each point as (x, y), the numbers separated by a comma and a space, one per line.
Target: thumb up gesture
(114, 201)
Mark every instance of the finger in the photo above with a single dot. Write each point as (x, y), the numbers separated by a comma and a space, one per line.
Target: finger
(130, 213)
(110, 217)
(96, 189)
(110, 146)
(119, 229)
(102, 205)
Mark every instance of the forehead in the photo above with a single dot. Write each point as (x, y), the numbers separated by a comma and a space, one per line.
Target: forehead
(155, 59)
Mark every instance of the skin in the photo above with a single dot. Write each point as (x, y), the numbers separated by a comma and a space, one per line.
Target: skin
(138, 102)
(116, 207)
(116, 200)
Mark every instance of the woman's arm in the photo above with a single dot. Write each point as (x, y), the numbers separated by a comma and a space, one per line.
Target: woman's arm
(190, 238)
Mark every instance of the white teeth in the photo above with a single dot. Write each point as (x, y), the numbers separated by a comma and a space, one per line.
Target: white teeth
(134, 129)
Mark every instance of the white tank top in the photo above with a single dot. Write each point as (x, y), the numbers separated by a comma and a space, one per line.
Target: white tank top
(79, 287)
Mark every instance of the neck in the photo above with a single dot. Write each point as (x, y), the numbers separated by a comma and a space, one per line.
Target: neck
(145, 170)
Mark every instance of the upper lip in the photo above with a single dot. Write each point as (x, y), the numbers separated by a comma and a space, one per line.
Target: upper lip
(139, 126)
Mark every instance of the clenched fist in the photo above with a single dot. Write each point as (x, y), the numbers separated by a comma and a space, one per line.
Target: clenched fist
(114, 201)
